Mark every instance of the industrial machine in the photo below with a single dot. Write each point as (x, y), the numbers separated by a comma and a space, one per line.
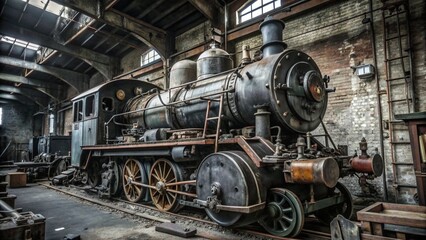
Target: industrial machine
(237, 142)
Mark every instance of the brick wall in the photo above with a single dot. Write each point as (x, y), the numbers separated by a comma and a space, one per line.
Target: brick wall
(336, 39)
(16, 127)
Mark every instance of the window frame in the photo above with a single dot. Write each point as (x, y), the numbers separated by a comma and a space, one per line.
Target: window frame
(261, 7)
(77, 109)
(93, 112)
(150, 59)
(112, 104)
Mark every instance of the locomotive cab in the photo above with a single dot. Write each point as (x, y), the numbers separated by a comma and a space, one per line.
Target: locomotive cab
(96, 106)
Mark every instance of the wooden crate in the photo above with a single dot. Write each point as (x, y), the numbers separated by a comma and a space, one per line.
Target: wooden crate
(395, 220)
(17, 179)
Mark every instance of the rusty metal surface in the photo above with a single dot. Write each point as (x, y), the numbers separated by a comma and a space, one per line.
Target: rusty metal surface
(306, 171)
(155, 144)
(371, 165)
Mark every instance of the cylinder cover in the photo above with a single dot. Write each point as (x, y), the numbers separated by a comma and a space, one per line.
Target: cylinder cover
(322, 170)
(182, 72)
(213, 61)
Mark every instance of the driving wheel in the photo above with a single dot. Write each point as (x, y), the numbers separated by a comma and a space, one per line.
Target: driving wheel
(133, 172)
(164, 172)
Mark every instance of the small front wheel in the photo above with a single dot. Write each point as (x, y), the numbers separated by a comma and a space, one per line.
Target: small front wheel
(284, 213)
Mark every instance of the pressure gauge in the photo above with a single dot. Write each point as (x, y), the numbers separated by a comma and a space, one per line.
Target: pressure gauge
(120, 94)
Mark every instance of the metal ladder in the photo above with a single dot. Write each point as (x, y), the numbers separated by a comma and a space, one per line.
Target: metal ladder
(218, 118)
(399, 72)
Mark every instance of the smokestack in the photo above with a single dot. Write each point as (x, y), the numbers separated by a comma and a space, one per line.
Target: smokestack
(272, 36)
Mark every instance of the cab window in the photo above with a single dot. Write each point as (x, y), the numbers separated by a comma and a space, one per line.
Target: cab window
(107, 104)
(90, 106)
(78, 111)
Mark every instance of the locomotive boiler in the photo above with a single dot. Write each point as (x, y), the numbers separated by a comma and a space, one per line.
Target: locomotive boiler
(234, 141)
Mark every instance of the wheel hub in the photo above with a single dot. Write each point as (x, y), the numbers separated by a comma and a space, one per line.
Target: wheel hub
(161, 187)
(274, 210)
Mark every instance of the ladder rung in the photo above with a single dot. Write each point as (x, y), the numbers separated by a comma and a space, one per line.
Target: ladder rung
(402, 163)
(211, 135)
(399, 100)
(391, 38)
(212, 118)
(396, 58)
(400, 142)
(400, 78)
(395, 14)
(397, 122)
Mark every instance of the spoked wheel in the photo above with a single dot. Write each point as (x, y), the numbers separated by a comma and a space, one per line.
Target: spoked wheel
(117, 184)
(284, 213)
(94, 173)
(163, 173)
(133, 172)
(345, 208)
(57, 167)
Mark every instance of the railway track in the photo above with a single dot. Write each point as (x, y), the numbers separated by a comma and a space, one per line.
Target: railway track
(251, 230)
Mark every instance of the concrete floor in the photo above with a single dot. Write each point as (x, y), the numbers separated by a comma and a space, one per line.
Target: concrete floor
(65, 215)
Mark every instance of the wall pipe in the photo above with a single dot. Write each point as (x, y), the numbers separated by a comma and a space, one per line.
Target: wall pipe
(379, 105)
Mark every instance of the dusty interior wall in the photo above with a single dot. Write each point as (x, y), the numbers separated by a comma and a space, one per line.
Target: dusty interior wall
(132, 61)
(193, 37)
(336, 39)
(16, 127)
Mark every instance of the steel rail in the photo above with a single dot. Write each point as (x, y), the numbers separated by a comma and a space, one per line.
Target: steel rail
(311, 233)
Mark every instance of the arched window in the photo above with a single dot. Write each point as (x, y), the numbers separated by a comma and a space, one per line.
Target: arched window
(149, 57)
(256, 8)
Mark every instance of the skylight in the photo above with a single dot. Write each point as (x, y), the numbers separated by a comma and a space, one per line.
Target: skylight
(256, 8)
(52, 7)
(20, 43)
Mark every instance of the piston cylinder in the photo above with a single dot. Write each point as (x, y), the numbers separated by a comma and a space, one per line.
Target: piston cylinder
(319, 171)
(371, 164)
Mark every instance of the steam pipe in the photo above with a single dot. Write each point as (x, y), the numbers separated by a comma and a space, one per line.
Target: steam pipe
(379, 106)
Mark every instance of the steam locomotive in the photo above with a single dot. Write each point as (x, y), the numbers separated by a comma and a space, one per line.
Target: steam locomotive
(237, 142)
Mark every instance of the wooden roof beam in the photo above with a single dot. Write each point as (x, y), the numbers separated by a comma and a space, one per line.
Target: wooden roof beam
(28, 93)
(78, 81)
(106, 65)
(150, 35)
(211, 11)
(54, 91)
(17, 98)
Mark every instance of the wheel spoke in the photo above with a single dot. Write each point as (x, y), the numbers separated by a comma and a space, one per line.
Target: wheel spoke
(288, 219)
(283, 226)
(156, 177)
(168, 172)
(164, 169)
(138, 190)
(159, 169)
(129, 172)
(287, 210)
(171, 180)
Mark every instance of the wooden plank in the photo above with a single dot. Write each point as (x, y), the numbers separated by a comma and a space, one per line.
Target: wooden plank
(397, 214)
(365, 236)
